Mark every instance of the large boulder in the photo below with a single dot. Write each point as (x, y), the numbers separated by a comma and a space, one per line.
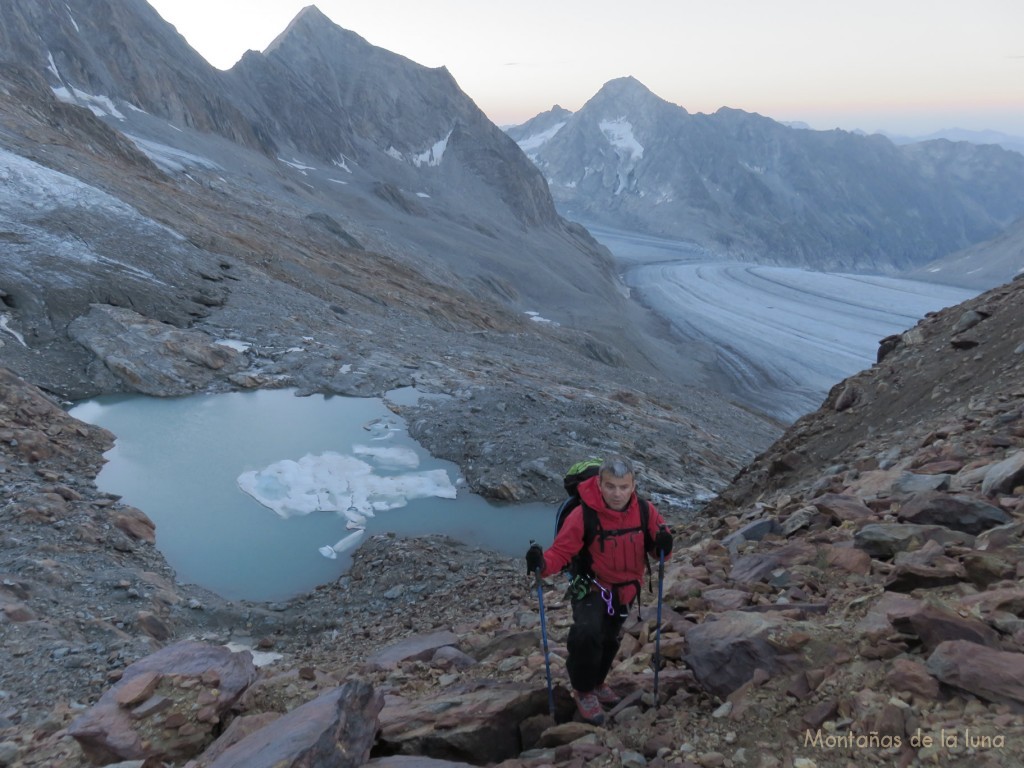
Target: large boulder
(961, 513)
(336, 729)
(724, 653)
(152, 357)
(987, 673)
(166, 706)
(477, 723)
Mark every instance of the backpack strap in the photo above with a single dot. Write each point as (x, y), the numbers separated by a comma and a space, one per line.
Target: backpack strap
(645, 519)
(591, 528)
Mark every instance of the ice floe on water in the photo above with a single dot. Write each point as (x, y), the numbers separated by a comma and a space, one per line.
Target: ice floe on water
(345, 484)
(389, 457)
(347, 543)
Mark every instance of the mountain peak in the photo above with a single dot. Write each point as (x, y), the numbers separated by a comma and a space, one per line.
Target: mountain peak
(310, 23)
(625, 85)
(627, 93)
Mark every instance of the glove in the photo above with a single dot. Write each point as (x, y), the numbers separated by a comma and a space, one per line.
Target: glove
(534, 559)
(663, 542)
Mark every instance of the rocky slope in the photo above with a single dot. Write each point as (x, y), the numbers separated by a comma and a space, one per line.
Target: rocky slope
(852, 598)
(127, 259)
(981, 265)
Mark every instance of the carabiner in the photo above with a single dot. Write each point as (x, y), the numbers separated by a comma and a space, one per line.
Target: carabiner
(607, 596)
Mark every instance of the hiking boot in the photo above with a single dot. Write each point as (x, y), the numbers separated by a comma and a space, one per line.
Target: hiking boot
(589, 707)
(606, 695)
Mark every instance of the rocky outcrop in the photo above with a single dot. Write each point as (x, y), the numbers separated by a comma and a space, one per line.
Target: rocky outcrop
(151, 357)
(337, 728)
(165, 706)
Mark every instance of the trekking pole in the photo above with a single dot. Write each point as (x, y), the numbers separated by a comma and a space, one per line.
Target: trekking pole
(544, 638)
(657, 632)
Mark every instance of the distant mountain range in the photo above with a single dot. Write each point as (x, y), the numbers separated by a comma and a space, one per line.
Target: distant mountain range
(742, 185)
(1004, 140)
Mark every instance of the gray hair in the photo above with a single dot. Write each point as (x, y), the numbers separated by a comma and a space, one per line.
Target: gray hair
(617, 466)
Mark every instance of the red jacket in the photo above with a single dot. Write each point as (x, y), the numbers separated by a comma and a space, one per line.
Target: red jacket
(622, 561)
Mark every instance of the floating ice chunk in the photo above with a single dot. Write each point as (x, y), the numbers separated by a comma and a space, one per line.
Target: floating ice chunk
(348, 542)
(381, 428)
(389, 458)
(355, 519)
(332, 482)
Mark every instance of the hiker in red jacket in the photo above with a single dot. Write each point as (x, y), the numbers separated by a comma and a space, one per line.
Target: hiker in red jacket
(607, 577)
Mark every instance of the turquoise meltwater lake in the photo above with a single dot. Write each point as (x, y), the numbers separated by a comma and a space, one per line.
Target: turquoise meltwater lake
(324, 468)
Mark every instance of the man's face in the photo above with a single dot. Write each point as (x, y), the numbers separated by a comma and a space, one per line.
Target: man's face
(616, 490)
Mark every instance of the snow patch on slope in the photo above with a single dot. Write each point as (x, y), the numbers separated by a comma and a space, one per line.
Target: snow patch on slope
(619, 133)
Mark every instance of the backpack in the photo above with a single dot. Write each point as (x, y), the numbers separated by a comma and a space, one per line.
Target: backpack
(581, 563)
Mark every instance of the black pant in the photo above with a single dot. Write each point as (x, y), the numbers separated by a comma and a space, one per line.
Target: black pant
(593, 642)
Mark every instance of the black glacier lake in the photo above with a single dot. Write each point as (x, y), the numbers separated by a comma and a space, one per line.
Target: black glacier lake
(264, 495)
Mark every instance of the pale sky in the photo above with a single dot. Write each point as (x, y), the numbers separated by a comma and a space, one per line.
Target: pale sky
(904, 66)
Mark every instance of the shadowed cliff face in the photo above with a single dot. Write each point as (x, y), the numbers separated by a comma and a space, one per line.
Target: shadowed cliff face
(330, 93)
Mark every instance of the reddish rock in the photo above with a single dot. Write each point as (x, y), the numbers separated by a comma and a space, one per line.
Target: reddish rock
(477, 722)
(417, 648)
(724, 653)
(912, 676)
(884, 540)
(336, 729)
(135, 523)
(1010, 599)
(759, 565)
(153, 625)
(889, 606)
(137, 689)
(873, 483)
(987, 673)
(889, 721)
(908, 577)
(961, 513)
(722, 599)
(820, 713)
(239, 728)
(843, 507)
(1004, 476)
(18, 613)
(107, 731)
(847, 559)
(986, 568)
